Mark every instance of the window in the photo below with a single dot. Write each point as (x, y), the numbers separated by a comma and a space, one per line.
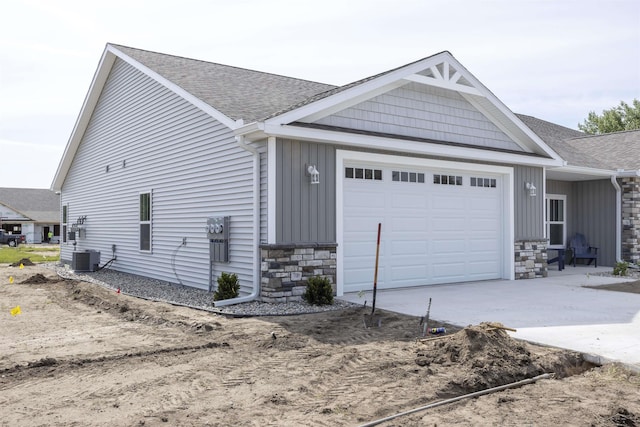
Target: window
(483, 182)
(65, 215)
(363, 173)
(145, 221)
(404, 176)
(447, 179)
(555, 220)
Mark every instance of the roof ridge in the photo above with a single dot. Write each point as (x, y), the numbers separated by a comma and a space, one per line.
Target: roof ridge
(605, 134)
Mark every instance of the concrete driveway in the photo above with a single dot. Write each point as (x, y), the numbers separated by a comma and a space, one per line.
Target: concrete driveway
(556, 311)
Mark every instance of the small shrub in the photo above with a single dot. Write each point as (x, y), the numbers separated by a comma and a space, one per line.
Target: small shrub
(319, 291)
(228, 287)
(620, 269)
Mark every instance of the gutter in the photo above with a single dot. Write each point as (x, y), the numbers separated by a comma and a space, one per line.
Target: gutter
(255, 292)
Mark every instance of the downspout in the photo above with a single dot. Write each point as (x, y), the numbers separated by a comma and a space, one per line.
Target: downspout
(255, 292)
(614, 181)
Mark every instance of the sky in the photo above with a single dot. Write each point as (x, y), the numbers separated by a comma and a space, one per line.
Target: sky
(553, 59)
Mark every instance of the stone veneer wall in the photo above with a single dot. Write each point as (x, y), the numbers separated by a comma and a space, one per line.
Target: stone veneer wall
(631, 219)
(286, 268)
(531, 259)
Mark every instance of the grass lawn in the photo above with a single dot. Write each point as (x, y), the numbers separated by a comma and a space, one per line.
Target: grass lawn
(35, 253)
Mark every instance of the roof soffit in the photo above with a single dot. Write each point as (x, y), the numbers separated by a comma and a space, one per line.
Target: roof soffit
(441, 70)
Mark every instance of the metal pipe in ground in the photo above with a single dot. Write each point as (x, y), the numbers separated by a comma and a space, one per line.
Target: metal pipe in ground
(455, 399)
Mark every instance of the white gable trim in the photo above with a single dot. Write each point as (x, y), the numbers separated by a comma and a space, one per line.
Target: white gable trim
(230, 123)
(99, 80)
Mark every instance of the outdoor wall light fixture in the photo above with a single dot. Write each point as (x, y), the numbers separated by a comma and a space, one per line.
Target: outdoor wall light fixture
(531, 188)
(313, 173)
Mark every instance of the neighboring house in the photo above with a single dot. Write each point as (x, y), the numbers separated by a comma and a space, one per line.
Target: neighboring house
(30, 211)
(168, 150)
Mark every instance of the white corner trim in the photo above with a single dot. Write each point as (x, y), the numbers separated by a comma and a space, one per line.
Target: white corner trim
(271, 190)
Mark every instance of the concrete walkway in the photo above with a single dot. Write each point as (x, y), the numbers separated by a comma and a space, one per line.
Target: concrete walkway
(556, 311)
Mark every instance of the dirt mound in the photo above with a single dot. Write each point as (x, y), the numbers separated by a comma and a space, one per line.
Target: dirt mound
(490, 357)
(24, 261)
(37, 279)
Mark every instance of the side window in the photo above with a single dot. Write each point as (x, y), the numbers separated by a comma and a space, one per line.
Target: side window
(145, 221)
(65, 215)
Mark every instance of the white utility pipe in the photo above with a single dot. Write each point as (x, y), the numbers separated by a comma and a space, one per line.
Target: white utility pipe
(255, 292)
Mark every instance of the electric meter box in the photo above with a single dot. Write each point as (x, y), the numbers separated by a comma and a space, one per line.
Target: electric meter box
(218, 234)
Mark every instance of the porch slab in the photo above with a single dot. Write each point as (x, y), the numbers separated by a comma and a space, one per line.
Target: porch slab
(557, 310)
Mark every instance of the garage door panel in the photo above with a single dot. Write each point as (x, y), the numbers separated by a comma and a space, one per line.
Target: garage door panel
(408, 247)
(408, 201)
(402, 224)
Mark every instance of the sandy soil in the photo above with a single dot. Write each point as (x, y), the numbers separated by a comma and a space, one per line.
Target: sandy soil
(78, 354)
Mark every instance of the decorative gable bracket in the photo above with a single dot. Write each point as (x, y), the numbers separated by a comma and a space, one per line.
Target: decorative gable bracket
(445, 76)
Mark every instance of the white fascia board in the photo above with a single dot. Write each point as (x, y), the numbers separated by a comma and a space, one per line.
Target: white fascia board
(358, 93)
(91, 99)
(405, 146)
(580, 170)
(228, 122)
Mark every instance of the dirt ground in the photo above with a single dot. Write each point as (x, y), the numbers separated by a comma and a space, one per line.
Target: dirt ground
(78, 354)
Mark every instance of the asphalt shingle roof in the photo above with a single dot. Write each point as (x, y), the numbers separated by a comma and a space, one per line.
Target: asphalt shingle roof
(612, 151)
(226, 88)
(38, 204)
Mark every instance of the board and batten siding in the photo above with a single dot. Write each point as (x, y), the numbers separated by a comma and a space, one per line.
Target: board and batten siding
(590, 210)
(143, 137)
(528, 211)
(422, 111)
(305, 212)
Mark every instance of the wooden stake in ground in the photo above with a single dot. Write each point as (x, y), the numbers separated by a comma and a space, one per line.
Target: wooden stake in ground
(370, 320)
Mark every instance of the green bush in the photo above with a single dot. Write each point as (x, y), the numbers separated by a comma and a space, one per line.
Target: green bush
(620, 269)
(228, 287)
(319, 291)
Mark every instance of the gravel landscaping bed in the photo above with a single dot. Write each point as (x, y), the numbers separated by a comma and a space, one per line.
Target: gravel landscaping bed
(159, 290)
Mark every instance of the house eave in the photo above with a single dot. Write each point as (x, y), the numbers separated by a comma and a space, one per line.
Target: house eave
(372, 141)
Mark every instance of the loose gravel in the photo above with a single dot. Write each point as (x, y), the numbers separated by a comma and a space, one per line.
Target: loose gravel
(159, 290)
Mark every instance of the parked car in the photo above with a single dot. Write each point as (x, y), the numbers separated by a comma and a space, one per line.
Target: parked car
(11, 239)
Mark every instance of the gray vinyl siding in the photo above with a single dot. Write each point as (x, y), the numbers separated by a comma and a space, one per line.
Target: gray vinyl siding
(528, 211)
(425, 112)
(153, 140)
(591, 210)
(304, 212)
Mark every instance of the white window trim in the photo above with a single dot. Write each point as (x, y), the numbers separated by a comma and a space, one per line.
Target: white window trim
(547, 223)
(150, 222)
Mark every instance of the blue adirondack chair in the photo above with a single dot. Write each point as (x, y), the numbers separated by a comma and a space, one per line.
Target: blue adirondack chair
(580, 249)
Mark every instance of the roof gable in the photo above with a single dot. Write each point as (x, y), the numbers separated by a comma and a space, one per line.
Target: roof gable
(441, 71)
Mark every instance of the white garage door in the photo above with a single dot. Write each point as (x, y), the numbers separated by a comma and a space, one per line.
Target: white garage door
(438, 226)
